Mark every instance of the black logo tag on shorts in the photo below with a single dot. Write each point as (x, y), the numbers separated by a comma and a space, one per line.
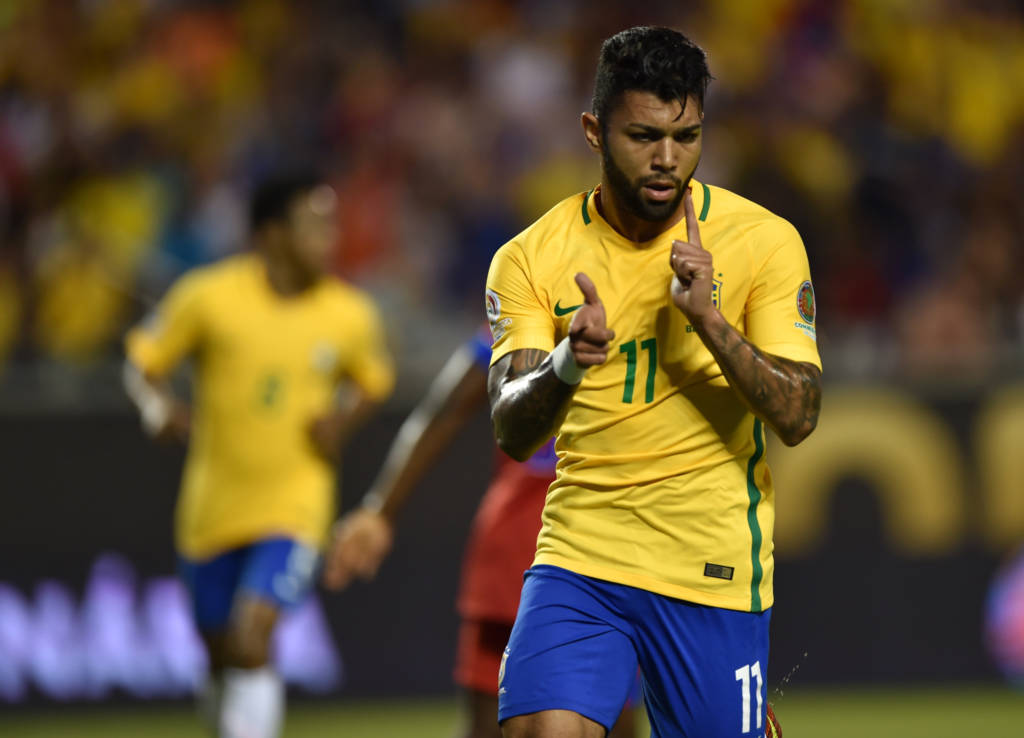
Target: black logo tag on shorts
(718, 571)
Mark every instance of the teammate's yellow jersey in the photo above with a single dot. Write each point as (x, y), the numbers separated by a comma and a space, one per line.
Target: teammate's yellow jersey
(266, 366)
(662, 482)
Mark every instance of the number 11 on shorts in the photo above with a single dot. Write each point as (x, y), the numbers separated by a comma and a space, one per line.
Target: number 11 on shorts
(743, 675)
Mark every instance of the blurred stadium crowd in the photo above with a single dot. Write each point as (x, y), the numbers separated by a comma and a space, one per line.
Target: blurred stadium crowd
(131, 132)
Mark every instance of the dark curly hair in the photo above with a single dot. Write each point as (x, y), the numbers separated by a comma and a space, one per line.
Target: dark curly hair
(649, 59)
(274, 196)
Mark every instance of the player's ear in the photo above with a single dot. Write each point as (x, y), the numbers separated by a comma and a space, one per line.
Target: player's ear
(591, 130)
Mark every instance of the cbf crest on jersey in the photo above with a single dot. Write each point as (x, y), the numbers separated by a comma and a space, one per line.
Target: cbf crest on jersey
(716, 293)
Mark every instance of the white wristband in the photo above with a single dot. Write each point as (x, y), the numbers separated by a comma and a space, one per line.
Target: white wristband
(564, 364)
(155, 412)
(153, 407)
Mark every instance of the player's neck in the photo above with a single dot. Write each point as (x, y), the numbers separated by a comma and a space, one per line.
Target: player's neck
(626, 224)
(285, 278)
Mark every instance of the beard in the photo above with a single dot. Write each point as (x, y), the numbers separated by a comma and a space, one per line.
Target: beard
(630, 194)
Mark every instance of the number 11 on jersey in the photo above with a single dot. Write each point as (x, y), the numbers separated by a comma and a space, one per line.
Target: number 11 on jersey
(743, 675)
(650, 345)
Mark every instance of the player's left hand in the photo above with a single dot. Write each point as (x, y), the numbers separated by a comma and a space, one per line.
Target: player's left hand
(692, 268)
(359, 543)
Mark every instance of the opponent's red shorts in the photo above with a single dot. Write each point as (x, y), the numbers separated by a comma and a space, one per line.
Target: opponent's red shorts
(478, 654)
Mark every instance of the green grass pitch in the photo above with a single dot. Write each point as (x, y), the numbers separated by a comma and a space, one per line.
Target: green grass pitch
(971, 712)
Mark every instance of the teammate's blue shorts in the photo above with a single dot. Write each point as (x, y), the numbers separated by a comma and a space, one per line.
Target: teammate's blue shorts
(280, 571)
(577, 641)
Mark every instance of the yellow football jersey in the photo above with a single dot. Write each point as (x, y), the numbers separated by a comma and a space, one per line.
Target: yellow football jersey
(266, 367)
(662, 482)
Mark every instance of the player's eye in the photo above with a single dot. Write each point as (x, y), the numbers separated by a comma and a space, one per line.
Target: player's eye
(641, 137)
(687, 136)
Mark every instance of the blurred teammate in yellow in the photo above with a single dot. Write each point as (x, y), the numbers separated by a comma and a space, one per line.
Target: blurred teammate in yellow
(288, 360)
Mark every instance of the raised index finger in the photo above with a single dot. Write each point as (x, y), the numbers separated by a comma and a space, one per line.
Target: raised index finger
(588, 289)
(692, 227)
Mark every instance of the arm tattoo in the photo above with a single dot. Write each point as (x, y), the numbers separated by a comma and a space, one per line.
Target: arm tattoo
(526, 360)
(528, 402)
(785, 394)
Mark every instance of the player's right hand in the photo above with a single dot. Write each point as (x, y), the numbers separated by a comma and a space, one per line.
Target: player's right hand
(588, 331)
(175, 425)
(359, 543)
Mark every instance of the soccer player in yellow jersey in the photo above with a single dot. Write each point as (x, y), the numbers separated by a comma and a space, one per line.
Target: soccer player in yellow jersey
(288, 360)
(655, 325)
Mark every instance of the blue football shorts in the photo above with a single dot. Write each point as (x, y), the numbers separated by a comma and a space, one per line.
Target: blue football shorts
(577, 642)
(280, 571)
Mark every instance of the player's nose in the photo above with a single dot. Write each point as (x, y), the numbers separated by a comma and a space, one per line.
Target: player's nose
(665, 158)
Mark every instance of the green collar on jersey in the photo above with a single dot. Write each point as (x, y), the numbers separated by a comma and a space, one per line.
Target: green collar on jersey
(707, 203)
(586, 215)
(703, 211)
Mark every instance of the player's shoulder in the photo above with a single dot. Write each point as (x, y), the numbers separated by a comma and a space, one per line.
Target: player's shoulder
(244, 265)
(549, 230)
(721, 204)
(337, 289)
(216, 276)
(344, 298)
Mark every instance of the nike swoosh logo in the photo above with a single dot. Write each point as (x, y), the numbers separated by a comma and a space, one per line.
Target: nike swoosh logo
(559, 310)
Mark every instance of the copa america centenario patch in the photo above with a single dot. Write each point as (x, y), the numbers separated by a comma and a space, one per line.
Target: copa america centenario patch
(805, 303)
(492, 304)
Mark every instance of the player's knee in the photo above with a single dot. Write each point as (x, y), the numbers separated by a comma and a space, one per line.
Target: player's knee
(216, 651)
(515, 727)
(247, 649)
(249, 634)
(550, 723)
